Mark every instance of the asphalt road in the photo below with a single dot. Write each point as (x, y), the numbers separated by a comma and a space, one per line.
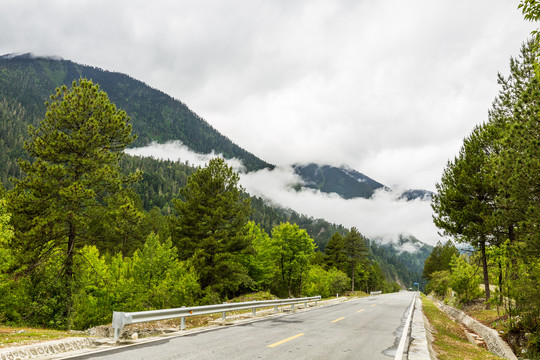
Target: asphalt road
(367, 328)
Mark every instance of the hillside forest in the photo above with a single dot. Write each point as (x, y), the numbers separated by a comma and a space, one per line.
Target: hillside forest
(487, 202)
(86, 229)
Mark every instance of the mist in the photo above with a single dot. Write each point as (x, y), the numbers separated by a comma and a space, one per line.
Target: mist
(383, 217)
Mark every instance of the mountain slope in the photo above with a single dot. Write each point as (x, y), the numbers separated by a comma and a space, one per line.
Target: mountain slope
(348, 183)
(345, 182)
(155, 116)
(404, 259)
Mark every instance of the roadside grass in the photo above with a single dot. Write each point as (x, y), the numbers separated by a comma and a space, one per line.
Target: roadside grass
(488, 317)
(10, 336)
(450, 340)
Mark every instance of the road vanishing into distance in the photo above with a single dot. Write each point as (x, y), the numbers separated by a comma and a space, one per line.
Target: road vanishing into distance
(367, 328)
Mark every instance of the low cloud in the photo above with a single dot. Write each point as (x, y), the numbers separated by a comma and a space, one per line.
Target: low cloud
(384, 217)
(177, 151)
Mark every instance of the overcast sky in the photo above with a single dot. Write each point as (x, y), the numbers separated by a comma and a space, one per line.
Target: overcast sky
(389, 88)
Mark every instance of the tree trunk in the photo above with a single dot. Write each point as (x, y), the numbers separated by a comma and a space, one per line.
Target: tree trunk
(289, 287)
(69, 275)
(500, 286)
(352, 276)
(486, 274)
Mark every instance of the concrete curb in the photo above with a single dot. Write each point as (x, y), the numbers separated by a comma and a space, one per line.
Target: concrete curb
(493, 341)
(418, 347)
(47, 348)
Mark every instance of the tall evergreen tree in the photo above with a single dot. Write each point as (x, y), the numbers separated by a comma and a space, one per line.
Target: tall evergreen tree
(439, 259)
(356, 249)
(464, 202)
(336, 253)
(73, 171)
(210, 226)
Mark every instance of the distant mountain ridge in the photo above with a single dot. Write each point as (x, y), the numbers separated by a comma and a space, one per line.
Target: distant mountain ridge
(155, 116)
(348, 183)
(345, 182)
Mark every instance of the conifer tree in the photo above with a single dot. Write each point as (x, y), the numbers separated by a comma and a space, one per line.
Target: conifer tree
(336, 253)
(72, 172)
(439, 259)
(463, 204)
(210, 227)
(356, 250)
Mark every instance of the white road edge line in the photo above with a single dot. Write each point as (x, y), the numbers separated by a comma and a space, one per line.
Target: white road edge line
(401, 346)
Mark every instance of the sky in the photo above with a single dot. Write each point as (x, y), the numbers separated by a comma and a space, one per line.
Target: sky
(389, 88)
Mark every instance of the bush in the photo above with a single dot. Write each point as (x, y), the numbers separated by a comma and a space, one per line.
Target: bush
(439, 283)
(153, 279)
(464, 280)
(325, 283)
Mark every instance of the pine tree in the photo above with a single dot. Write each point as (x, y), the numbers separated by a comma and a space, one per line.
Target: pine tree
(463, 204)
(73, 171)
(210, 227)
(439, 259)
(336, 254)
(356, 249)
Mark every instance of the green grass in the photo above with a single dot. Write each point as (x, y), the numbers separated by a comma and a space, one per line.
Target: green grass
(488, 317)
(450, 340)
(10, 336)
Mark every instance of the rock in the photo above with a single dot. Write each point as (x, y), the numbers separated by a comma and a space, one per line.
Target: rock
(135, 336)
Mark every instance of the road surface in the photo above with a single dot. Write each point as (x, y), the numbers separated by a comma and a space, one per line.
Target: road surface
(367, 328)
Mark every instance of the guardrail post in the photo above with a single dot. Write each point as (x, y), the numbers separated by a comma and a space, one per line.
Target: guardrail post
(305, 306)
(276, 309)
(292, 308)
(183, 323)
(224, 314)
(254, 311)
(117, 324)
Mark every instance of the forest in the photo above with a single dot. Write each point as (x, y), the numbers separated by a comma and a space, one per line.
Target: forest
(487, 202)
(86, 229)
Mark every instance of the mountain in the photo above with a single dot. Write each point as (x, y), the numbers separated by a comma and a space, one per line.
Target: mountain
(347, 183)
(417, 194)
(26, 82)
(155, 116)
(403, 259)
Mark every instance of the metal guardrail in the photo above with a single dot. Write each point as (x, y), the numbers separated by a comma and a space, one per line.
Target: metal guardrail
(120, 319)
(375, 293)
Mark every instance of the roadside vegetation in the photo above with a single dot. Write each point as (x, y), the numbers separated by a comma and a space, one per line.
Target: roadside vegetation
(488, 201)
(19, 336)
(450, 341)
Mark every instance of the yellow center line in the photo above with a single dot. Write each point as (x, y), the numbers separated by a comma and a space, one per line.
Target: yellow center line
(341, 318)
(285, 340)
(361, 310)
(372, 305)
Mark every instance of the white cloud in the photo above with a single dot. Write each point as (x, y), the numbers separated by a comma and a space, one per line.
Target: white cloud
(384, 216)
(177, 151)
